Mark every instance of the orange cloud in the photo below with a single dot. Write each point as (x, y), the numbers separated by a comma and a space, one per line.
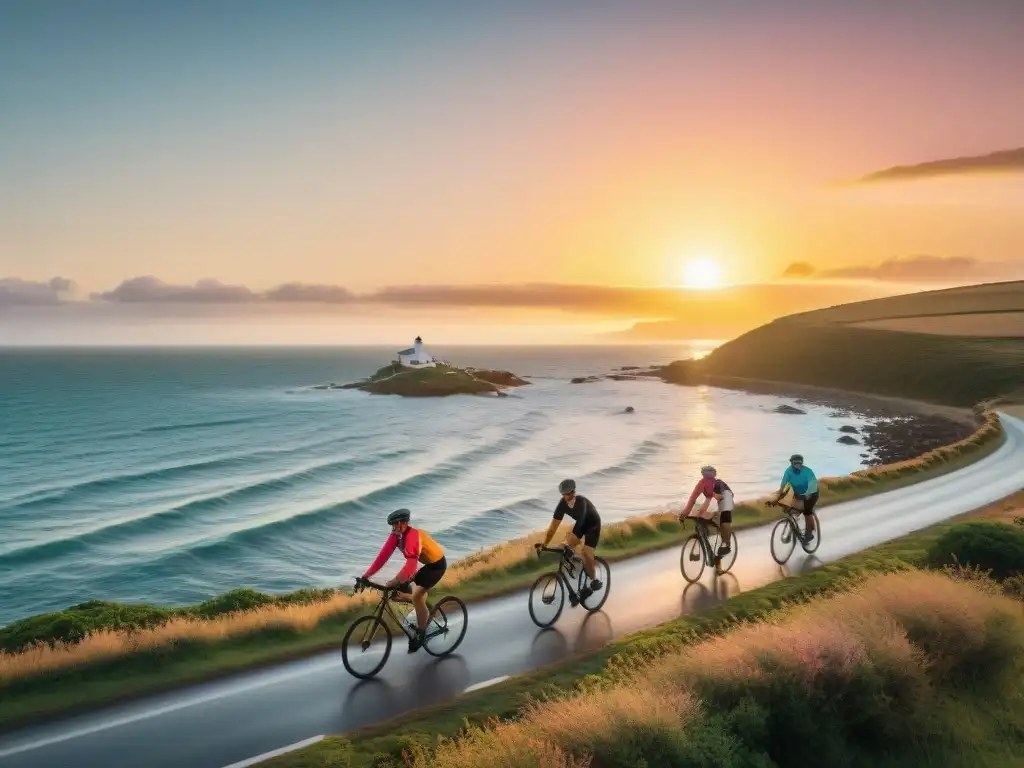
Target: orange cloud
(914, 269)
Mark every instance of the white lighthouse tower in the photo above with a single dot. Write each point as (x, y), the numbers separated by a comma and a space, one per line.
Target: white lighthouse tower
(416, 356)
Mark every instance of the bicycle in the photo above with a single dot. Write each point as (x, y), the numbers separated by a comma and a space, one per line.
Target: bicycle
(789, 531)
(550, 588)
(698, 548)
(444, 615)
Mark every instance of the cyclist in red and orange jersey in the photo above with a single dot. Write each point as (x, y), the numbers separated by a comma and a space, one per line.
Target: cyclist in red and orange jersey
(417, 547)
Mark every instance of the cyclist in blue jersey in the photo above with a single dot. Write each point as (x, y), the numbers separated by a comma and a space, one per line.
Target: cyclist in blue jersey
(805, 487)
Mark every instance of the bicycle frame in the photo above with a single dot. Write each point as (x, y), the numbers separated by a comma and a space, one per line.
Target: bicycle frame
(703, 535)
(566, 567)
(386, 603)
(791, 515)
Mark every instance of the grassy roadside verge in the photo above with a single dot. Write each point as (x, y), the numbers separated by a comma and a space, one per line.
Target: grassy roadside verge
(413, 738)
(118, 663)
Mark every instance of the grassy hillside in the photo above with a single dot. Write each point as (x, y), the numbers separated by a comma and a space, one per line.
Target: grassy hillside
(825, 348)
(989, 297)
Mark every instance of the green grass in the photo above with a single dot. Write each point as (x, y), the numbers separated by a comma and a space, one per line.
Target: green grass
(969, 726)
(177, 663)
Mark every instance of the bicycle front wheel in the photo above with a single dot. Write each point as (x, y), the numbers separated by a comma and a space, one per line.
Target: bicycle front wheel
(547, 599)
(813, 546)
(604, 574)
(446, 627)
(783, 541)
(691, 559)
(366, 647)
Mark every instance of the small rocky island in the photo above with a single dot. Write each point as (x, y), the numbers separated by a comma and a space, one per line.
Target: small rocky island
(418, 374)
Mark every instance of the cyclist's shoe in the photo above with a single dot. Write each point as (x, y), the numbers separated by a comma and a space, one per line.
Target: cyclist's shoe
(415, 642)
(695, 556)
(585, 593)
(725, 549)
(595, 585)
(808, 537)
(573, 599)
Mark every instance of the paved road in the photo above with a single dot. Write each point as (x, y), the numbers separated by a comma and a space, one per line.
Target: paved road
(221, 723)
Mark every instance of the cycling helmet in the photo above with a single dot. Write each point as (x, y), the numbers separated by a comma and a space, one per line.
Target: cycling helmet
(796, 457)
(399, 516)
(567, 486)
(707, 469)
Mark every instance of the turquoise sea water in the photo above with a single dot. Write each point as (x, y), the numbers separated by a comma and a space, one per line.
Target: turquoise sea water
(171, 475)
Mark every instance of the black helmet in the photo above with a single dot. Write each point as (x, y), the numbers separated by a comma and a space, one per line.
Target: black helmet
(796, 457)
(567, 486)
(399, 516)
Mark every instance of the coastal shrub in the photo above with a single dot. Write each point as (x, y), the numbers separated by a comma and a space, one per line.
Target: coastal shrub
(993, 546)
(72, 624)
(860, 677)
(1014, 587)
(244, 599)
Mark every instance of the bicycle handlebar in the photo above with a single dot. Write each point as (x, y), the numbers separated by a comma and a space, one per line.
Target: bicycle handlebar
(564, 551)
(362, 583)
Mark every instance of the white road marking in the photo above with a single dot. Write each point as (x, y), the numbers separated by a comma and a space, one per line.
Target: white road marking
(485, 683)
(276, 752)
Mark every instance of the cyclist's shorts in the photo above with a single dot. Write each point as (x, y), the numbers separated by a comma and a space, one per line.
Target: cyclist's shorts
(807, 503)
(430, 574)
(591, 534)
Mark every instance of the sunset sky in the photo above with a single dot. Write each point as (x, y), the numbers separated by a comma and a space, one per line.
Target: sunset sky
(476, 171)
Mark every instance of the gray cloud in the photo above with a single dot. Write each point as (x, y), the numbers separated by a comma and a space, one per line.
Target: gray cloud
(17, 292)
(313, 294)
(1004, 161)
(152, 290)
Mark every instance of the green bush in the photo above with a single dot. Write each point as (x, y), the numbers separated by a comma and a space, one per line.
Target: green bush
(990, 546)
(244, 599)
(72, 624)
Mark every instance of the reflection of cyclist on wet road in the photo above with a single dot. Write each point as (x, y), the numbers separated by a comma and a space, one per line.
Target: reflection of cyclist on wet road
(586, 530)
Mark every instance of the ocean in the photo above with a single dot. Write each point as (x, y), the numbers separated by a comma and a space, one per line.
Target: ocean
(172, 475)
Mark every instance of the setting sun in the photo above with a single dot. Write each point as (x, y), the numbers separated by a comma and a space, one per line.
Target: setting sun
(702, 273)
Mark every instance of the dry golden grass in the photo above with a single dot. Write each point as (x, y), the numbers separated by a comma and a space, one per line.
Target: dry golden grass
(108, 644)
(908, 625)
(994, 324)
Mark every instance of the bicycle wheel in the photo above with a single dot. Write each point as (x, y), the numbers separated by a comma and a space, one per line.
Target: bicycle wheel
(604, 574)
(730, 558)
(692, 569)
(447, 627)
(547, 599)
(368, 652)
(813, 546)
(783, 540)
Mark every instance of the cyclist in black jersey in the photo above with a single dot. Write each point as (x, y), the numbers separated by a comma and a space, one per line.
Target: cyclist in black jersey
(586, 530)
